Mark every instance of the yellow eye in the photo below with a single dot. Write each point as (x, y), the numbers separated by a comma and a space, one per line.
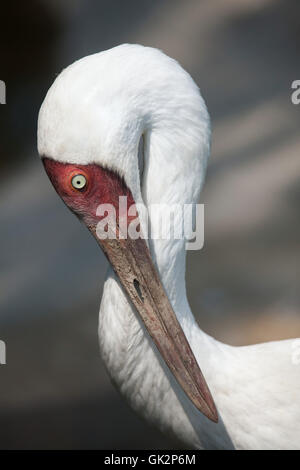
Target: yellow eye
(78, 181)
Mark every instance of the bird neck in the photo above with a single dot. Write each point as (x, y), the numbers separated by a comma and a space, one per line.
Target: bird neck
(174, 154)
(173, 120)
(130, 355)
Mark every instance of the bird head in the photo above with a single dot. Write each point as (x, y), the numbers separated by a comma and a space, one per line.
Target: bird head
(89, 130)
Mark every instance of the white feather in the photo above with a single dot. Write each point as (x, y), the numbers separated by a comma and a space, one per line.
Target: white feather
(96, 112)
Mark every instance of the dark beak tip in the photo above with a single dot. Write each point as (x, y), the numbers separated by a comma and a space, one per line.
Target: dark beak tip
(214, 416)
(131, 261)
(210, 411)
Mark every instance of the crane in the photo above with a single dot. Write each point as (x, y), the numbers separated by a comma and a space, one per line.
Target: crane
(130, 122)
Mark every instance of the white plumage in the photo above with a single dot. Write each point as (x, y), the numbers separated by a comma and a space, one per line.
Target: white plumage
(96, 112)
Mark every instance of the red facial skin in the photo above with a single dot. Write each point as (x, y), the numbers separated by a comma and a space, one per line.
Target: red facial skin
(103, 187)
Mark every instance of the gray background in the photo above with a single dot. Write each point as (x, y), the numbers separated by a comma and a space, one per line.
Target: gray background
(243, 286)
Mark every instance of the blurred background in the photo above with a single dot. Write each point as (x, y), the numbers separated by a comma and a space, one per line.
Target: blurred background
(243, 286)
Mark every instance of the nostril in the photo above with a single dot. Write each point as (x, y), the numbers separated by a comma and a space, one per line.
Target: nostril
(138, 289)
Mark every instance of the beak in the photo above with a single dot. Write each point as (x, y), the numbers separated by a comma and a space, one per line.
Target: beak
(131, 261)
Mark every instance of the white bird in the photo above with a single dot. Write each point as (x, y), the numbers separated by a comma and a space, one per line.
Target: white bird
(90, 126)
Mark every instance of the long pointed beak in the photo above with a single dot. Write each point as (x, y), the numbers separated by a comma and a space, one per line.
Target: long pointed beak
(131, 260)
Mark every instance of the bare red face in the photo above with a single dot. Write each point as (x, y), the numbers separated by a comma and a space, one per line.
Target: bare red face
(83, 188)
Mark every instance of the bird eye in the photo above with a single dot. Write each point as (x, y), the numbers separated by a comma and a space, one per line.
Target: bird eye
(78, 181)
